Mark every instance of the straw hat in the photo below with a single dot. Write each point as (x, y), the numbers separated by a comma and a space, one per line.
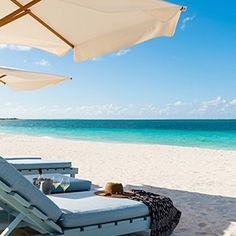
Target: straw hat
(114, 190)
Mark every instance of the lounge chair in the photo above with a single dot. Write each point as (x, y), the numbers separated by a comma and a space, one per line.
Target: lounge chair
(33, 165)
(68, 214)
(36, 165)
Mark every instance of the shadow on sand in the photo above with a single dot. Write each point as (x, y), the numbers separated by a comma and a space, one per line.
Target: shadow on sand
(202, 214)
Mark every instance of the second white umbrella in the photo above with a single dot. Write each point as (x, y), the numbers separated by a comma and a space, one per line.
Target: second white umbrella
(27, 80)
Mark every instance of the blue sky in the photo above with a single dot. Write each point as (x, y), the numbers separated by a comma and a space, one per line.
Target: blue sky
(191, 75)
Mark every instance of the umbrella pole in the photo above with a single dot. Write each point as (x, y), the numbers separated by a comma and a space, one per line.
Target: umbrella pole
(1, 81)
(45, 25)
(17, 13)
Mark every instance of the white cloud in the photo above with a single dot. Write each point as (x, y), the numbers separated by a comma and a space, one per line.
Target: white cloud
(214, 108)
(14, 47)
(104, 110)
(8, 104)
(211, 104)
(180, 103)
(42, 62)
(3, 46)
(94, 59)
(178, 109)
(185, 21)
(232, 102)
(122, 52)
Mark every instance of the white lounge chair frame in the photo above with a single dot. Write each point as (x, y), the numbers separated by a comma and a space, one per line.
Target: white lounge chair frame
(24, 214)
(64, 171)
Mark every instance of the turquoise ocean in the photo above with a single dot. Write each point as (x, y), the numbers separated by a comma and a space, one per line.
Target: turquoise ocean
(217, 134)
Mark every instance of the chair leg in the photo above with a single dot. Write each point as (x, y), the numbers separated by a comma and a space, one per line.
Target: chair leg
(13, 225)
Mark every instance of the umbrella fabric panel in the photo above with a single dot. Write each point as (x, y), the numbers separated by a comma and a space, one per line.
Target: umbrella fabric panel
(93, 27)
(27, 31)
(26, 80)
(17, 83)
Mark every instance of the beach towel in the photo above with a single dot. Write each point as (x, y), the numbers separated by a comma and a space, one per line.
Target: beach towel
(164, 216)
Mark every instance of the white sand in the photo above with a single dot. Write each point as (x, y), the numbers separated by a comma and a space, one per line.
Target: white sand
(201, 182)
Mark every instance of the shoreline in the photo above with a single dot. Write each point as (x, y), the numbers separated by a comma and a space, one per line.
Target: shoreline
(200, 182)
(114, 142)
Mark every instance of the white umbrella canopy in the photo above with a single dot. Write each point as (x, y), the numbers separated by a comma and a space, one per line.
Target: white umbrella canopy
(27, 80)
(90, 27)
